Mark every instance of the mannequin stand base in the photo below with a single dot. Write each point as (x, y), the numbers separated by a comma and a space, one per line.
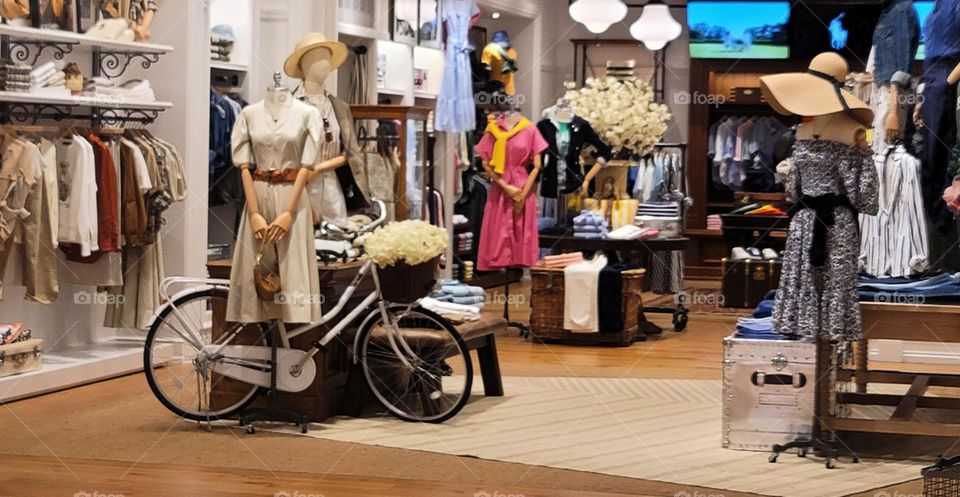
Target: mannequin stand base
(829, 450)
(273, 415)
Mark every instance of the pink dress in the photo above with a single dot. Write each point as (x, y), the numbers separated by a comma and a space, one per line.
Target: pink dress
(508, 239)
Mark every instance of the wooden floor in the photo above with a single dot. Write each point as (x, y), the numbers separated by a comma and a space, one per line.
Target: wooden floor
(44, 477)
(694, 354)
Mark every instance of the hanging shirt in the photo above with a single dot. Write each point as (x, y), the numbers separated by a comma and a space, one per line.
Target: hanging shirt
(894, 242)
(76, 175)
(563, 148)
(48, 157)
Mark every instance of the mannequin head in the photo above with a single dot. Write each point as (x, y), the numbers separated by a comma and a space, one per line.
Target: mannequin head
(502, 38)
(313, 59)
(316, 65)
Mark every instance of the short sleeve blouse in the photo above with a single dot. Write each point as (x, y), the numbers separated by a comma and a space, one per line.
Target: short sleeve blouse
(286, 143)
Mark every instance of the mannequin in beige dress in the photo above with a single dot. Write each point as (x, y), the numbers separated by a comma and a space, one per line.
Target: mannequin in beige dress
(276, 102)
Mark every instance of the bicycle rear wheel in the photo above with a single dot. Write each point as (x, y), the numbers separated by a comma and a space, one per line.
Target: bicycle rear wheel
(416, 365)
(181, 375)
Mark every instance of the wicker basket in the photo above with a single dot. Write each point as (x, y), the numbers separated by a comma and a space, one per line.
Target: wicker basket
(405, 284)
(942, 479)
(546, 309)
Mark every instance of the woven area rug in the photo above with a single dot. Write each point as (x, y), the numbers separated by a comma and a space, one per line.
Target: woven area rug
(665, 430)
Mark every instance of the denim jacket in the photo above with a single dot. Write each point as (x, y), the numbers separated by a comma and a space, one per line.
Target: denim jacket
(895, 40)
(942, 30)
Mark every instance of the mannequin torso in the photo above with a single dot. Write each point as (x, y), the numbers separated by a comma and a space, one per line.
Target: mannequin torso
(837, 127)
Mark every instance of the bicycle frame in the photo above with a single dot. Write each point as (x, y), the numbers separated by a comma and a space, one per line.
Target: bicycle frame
(368, 269)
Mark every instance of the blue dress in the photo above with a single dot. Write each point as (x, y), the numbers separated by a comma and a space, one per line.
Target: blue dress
(456, 111)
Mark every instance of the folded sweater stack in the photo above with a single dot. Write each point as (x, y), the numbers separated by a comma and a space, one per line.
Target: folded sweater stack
(137, 90)
(561, 261)
(460, 293)
(631, 232)
(590, 224)
(47, 79)
(15, 77)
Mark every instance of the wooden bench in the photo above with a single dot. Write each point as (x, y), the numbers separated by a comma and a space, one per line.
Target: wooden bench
(479, 336)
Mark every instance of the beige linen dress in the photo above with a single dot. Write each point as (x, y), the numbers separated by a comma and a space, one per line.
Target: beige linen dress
(326, 194)
(268, 144)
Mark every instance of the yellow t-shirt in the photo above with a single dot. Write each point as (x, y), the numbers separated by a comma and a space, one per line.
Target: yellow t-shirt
(491, 57)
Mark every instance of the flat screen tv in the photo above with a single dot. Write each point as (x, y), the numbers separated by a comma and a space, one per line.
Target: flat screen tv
(845, 29)
(923, 10)
(738, 30)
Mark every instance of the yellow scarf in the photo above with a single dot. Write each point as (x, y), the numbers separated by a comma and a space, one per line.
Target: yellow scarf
(499, 159)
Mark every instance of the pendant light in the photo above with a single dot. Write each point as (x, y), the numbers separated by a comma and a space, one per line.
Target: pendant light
(598, 15)
(656, 27)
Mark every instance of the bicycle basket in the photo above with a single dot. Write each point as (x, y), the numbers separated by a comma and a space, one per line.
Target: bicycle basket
(942, 479)
(402, 283)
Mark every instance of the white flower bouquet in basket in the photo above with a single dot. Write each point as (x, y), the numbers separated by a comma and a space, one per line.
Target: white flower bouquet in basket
(623, 113)
(407, 255)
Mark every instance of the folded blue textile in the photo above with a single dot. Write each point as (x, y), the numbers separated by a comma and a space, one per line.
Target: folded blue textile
(762, 335)
(764, 309)
(469, 300)
(589, 229)
(462, 290)
(590, 236)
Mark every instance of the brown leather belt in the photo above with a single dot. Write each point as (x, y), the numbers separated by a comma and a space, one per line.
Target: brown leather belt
(276, 175)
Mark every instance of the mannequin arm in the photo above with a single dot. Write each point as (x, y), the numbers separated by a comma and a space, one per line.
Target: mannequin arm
(142, 31)
(328, 165)
(954, 76)
(257, 223)
(892, 122)
(592, 173)
(532, 178)
(511, 191)
(281, 225)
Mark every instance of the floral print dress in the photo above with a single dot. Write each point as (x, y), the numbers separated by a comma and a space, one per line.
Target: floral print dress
(821, 302)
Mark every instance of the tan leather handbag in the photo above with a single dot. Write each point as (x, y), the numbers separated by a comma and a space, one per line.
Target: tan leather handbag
(266, 278)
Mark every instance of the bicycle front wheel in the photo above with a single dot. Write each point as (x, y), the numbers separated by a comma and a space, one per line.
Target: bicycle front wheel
(416, 364)
(181, 375)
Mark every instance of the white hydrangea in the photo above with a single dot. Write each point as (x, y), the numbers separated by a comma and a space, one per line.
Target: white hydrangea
(413, 242)
(623, 113)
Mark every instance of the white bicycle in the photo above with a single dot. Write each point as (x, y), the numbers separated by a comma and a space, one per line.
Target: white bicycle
(414, 361)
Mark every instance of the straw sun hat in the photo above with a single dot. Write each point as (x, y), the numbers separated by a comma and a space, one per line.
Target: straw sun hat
(816, 92)
(308, 43)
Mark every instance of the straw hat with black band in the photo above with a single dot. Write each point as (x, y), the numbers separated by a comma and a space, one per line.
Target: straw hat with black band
(309, 42)
(817, 92)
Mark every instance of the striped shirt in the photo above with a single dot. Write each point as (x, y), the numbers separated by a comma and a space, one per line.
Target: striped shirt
(894, 242)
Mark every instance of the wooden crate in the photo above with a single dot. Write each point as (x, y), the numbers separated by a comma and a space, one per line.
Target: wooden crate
(546, 309)
(324, 398)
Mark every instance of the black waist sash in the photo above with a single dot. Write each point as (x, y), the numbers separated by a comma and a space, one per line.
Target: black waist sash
(823, 207)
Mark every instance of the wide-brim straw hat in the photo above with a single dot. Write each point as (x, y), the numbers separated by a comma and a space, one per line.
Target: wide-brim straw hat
(816, 92)
(308, 43)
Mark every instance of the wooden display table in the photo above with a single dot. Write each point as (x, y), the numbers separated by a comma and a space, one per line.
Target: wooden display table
(920, 323)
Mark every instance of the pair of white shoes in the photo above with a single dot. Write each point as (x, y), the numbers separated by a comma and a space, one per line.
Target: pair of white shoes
(753, 253)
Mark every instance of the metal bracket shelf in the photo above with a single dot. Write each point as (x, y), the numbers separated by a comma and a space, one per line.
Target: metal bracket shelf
(32, 113)
(23, 51)
(114, 64)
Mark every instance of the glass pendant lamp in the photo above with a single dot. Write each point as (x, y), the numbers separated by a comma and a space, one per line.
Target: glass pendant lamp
(656, 26)
(598, 15)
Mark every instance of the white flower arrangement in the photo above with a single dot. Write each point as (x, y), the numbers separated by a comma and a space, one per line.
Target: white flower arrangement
(623, 113)
(413, 242)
